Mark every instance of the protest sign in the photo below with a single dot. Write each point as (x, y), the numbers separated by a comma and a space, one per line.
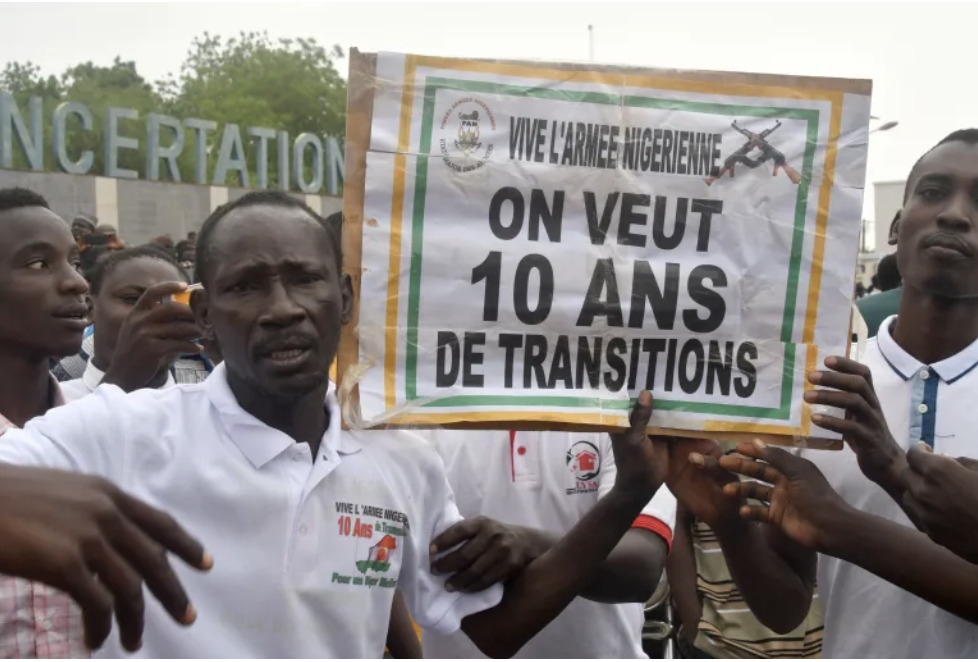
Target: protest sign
(532, 244)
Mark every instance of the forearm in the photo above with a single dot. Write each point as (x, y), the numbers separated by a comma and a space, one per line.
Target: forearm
(402, 640)
(906, 558)
(681, 570)
(778, 592)
(549, 583)
(631, 571)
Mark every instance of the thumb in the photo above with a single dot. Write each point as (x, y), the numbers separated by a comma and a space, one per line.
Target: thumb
(153, 295)
(778, 458)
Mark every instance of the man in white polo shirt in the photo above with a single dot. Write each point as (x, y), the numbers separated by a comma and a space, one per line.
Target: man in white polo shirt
(541, 484)
(311, 527)
(886, 589)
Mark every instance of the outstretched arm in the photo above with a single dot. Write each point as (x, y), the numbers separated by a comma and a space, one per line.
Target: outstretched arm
(549, 583)
(491, 551)
(775, 575)
(803, 505)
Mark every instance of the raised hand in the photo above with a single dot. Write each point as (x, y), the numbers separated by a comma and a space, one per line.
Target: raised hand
(642, 463)
(154, 334)
(799, 501)
(696, 480)
(488, 552)
(84, 536)
(849, 386)
(941, 499)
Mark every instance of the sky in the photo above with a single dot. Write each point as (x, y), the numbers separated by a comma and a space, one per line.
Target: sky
(918, 55)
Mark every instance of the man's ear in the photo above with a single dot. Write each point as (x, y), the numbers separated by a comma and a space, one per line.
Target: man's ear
(200, 306)
(894, 230)
(346, 289)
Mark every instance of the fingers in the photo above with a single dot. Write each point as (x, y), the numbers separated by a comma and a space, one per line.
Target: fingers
(847, 366)
(854, 403)
(164, 529)
(463, 557)
(127, 593)
(778, 458)
(485, 571)
(748, 489)
(756, 513)
(150, 560)
(851, 430)
(750, 468)
(921, 458)
(153, 295)
(95, 602)
(968, 463)
(638, 420)
(456, 535)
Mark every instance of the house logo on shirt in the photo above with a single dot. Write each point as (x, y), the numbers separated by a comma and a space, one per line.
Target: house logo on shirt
(584, 463)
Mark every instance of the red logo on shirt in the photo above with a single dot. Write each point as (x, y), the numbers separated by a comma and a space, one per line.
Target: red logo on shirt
(584, 462)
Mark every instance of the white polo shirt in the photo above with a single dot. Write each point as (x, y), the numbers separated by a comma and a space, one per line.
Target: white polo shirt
(306, 553)
(546, 480)
(937, 404)
(90, 380)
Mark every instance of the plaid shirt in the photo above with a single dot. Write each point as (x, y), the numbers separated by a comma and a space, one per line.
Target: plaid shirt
(37, 621)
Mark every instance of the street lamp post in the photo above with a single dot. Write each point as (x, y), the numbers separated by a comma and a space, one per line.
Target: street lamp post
(864, 226)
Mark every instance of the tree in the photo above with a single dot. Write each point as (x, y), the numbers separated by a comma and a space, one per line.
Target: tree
(95, 86)
(120, 86)
(252, 81)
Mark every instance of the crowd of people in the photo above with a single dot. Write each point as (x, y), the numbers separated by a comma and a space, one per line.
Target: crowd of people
(196, 449)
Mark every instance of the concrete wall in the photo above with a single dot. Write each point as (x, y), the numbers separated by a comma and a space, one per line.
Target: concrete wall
(888, 199)
(140, 210)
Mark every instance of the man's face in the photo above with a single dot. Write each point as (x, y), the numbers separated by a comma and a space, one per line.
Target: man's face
(937, 234)
(119, 293)
(80, 229)
(275, 299)
(43, 309)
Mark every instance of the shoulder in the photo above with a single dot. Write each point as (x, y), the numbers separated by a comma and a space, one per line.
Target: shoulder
(399, 451)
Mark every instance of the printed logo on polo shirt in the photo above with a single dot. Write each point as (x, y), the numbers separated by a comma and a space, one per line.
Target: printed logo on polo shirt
(584, 464)
(384, 529)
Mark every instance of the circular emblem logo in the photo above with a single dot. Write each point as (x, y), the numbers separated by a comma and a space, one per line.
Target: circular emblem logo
(466, 131)
(584, 460)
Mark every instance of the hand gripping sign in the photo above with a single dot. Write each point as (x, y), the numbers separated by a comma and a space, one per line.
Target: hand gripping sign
(533, 244)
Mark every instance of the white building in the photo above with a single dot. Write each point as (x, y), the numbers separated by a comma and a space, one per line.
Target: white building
(888, 199)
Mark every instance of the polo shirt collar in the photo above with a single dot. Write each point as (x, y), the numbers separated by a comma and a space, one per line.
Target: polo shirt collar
(92, 377)
(259, 442)
(906, 366)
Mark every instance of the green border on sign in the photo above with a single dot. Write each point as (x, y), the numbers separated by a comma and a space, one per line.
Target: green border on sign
(433, 85)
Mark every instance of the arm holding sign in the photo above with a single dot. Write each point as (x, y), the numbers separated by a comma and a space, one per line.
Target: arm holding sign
(805, 508)
(549, 583)
(936, 493)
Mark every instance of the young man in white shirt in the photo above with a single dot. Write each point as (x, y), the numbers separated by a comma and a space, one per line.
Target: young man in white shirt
(146, 339)
(886, 589)
(58, 529)
(311, 527)
(541, 484)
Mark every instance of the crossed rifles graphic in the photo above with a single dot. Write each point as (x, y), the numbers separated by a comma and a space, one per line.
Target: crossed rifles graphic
(768, 153)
